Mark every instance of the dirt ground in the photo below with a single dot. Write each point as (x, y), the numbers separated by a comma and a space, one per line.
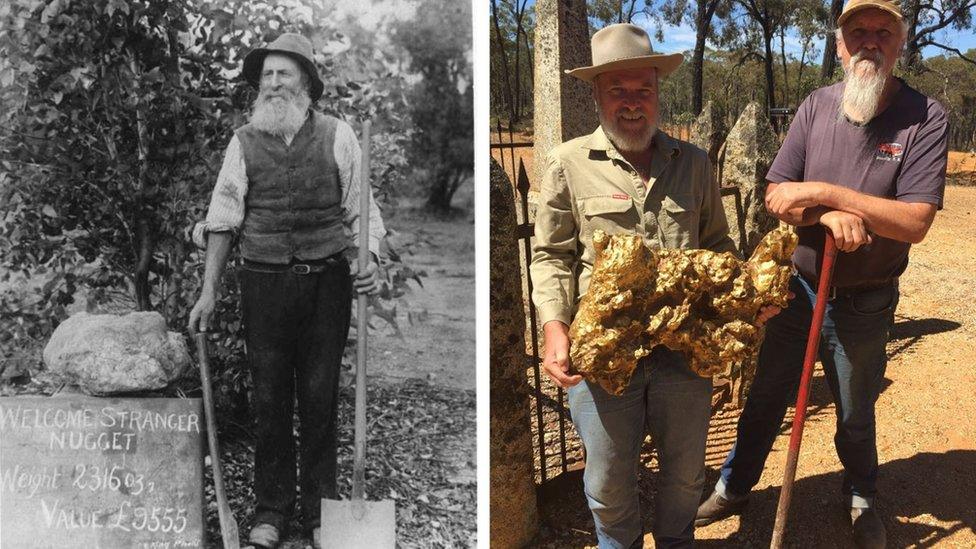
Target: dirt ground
(926, 433)
(437, 320)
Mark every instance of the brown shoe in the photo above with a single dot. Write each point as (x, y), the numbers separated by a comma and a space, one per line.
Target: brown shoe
(717, 508)
(869, 531)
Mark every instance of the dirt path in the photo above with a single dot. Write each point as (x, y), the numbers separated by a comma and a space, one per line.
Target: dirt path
(926, 432)
(437, 320)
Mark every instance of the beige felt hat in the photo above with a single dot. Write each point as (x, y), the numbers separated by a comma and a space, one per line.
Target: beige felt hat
(625, 46)
(891, 6)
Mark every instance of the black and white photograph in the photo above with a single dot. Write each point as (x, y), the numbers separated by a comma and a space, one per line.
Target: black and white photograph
(237, 274)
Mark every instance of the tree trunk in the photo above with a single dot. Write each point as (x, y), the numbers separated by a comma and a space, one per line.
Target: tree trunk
(786, 79)
(703, 24)
(697, 66)
(439, 199)
(911, 56)
(768, 66)
(145, 240)
(517, 13)
(830, 43)
(504, 58)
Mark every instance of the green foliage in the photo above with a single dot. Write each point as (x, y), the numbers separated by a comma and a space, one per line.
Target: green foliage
(114, 120)
(441, 104)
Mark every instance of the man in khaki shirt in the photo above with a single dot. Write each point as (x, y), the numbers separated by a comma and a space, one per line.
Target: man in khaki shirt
(628, 177)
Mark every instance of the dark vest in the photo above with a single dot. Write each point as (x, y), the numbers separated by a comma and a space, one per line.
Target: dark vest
(293, 207)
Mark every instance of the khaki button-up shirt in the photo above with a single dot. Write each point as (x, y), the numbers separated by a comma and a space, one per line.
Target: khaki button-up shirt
(588, 186)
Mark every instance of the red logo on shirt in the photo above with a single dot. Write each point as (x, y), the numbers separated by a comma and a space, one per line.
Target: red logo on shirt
(620, 196)
(890, 151)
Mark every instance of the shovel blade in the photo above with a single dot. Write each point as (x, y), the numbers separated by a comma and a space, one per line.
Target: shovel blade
(358, 524)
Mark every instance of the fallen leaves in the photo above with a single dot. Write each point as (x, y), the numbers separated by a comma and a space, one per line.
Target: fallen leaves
(420, 453)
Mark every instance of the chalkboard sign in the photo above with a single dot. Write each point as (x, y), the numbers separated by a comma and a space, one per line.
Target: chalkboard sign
(78, 471)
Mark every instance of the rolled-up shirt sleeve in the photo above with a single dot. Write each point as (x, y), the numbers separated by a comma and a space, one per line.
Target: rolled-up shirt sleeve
(349, 157)
(226, 211)
(556, 249)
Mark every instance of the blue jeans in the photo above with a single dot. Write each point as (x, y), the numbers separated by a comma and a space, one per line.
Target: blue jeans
(674, 404)
(852, 351)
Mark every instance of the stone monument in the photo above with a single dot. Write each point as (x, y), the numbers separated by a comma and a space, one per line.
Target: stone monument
(514, 514)
(563, 105)
(749, 151)
(708, 133)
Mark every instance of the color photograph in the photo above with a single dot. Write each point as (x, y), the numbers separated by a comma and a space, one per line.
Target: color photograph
(718, 230)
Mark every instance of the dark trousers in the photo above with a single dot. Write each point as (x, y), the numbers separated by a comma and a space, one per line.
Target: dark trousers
(296, 328)
(852, 350)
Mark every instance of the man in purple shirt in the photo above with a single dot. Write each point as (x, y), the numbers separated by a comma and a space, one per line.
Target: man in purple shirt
(865, 159)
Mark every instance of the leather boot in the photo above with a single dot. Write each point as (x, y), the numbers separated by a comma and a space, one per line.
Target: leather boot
(716, 508)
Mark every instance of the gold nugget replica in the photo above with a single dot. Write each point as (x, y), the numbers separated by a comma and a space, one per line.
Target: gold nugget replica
(698, 302)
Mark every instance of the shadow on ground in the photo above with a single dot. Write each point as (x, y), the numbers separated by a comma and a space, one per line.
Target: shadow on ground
(916, 514)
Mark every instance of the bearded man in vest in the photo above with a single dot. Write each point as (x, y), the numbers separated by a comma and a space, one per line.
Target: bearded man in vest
(289, 188)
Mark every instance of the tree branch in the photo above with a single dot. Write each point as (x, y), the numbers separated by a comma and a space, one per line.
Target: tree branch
(945, 21)
(953, 50)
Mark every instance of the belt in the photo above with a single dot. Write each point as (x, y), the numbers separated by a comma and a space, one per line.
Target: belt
(299, 268)
(846, 291)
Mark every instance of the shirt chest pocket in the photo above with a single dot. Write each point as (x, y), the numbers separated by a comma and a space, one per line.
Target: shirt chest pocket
(677, 220)
(611, 214)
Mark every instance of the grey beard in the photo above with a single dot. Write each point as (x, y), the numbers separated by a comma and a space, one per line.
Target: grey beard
(862, 93)
(627, 142)
(280, 118)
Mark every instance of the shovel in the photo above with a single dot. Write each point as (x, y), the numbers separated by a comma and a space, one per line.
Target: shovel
(813, 345)
(228, 525)
(358, 523)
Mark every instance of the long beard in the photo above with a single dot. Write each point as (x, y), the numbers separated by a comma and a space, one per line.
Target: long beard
(281, 116)
(627, 141)
(863, 87)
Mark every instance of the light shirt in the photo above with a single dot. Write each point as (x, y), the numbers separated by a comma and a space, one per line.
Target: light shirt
(588, 185)
(227, 204)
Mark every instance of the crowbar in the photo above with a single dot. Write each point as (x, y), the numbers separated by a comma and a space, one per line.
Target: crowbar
(813, 345)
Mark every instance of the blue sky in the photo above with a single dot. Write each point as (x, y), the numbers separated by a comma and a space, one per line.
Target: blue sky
(681, 38)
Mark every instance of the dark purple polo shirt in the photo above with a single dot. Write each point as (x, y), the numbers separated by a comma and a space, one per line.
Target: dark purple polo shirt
(900, 154)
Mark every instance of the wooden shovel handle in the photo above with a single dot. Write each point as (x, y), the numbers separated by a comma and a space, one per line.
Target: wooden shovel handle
(228, 524)
(359, 458)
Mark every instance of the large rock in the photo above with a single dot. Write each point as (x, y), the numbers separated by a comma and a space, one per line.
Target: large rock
(108, 354)
(514, 515)
(708, 132)
(563, 104)
(749, 151)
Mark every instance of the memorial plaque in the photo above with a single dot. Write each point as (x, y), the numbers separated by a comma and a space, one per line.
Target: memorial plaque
(78, 471)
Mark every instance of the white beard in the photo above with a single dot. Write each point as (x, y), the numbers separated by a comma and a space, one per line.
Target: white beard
(863, 87)
(280, 116)
(627, 141)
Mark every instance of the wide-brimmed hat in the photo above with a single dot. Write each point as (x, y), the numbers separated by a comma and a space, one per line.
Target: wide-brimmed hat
(625, 46)
(293, 45)
(891, 6)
